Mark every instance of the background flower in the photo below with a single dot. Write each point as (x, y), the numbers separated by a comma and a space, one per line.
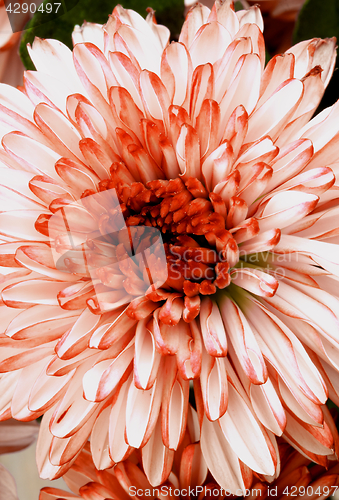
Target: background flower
(297, 479)
(202, 142)
(14, 436)
(11, 67)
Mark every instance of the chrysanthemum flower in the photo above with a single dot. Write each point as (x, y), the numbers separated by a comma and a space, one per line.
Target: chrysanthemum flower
(129, 138)
(191, 479)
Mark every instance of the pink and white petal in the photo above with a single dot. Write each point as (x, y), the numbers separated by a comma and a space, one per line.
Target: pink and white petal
(323, 253)
(262, 150)
(89, 32)
(271, 116)
(48, 493)
(19, 225)
(207, 126)
(126, 74)
(195, 18)
(15, 199)
(129, 474)
(293, 369)
(55, 59)
(176, 71)
(161, 33)
(247, 67)
(212, 328)
(45, 467)
(314, 439)
(39, 258)
(217, 166)
(245, 436)
(209, 35)
(320, 225)
(214, 386)
(11, 121)
(17, 181)
(188, 152)
(268, 408)
(154, 96)
(322, 128)
(24, 294)
(144, 49)
(94, 64)
(41, 87)
(78, 336)
(279, 69)
(309, 307)
(290, 161)
(106, 335)
(105, 376)
(32, 155)
(142, 410)
(264, 242)
(193, 469)
(12, 98)
(20, 400)
(311, 53)
(189, 350)
(225, 15)
(220, 458)
(174, 406)
(47, 389)
(301, 406)
(157, 459)
(285, 208)
(225, 67)
(60, 132)
(7, 485)
(59, 367)
(64, 451)
(100, 441)
(47, 190)
(17, 354)
(243, 341)
(313, 92)
(146, 358)
(251, 16)
(8, 382)
(255, 281)
(118, 448)
(128, 113)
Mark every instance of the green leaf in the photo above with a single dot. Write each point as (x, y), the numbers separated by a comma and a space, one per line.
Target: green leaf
(60, 27)
(330, 404)
(317, 19)
(320, 19)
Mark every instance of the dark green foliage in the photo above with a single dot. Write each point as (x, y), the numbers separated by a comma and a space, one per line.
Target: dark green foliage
(43, 25)
(317, 18)
(320, 19)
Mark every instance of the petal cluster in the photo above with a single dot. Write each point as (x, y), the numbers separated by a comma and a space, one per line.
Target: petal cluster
(198, 151)
(191, 479)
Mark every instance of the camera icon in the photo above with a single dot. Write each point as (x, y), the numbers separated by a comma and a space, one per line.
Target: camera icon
(90, 238)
